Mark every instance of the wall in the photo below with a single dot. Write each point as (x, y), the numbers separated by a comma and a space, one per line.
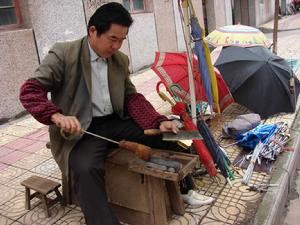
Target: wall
(18, 60)
(218, 14)
(264, 12)
(50, 21)
(165, 26)
(55, 21)
(142, 41)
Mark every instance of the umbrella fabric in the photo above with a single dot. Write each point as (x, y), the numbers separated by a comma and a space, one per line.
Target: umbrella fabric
(172, 70)
(218, 155)
(237, 35)
(258, 79)
(261, 133)
(204, 155)
(204, 62)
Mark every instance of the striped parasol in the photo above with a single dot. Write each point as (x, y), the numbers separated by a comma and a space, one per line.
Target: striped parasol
(238, 35)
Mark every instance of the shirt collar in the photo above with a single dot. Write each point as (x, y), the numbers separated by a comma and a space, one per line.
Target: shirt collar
(93, 54)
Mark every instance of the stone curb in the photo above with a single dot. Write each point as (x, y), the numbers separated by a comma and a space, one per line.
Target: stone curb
(272, 207)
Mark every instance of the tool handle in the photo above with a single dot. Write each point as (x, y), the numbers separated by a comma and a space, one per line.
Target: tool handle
(142, 151)
(151, 132)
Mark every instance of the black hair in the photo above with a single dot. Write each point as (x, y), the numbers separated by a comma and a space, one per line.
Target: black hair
(110, 13)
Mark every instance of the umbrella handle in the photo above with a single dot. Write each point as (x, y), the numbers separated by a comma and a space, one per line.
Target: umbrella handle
(176, 97)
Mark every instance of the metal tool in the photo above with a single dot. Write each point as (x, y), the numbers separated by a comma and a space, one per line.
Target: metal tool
(142, 151)
(261, 187)
(170, 136)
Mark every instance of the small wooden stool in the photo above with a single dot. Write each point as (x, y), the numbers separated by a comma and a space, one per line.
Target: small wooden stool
(42, 186)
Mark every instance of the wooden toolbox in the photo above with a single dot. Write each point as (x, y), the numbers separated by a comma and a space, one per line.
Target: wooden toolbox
(145, 196)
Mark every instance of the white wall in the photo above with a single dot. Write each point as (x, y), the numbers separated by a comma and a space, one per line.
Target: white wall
(142, 40)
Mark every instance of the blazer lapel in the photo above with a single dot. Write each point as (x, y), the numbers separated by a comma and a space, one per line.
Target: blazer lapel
(86, 65)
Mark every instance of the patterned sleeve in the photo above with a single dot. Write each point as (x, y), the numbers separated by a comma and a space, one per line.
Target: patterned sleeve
(33, 97)
(142, 112)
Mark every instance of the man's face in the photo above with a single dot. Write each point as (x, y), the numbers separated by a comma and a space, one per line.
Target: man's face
(109, 42)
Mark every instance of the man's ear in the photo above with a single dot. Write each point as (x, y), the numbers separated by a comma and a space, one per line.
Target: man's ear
(92, 31)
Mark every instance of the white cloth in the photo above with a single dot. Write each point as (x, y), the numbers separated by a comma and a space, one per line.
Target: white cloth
(101, 101)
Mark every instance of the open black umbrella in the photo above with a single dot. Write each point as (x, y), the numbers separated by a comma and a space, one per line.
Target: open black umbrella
(259, 80)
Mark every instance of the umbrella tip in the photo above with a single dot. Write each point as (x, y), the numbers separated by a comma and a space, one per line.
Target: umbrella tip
(229, 181)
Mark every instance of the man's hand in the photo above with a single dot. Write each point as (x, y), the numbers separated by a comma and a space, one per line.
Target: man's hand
(168, 126)
(68, 124)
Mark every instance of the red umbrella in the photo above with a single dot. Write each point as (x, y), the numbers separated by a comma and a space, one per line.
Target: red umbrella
(205, 157)
(172, 69)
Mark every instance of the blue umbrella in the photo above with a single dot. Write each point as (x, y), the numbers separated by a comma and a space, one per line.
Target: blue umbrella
(261, 133)
(196, 33)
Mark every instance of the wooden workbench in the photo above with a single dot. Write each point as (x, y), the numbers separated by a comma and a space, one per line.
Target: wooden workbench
(145, 196)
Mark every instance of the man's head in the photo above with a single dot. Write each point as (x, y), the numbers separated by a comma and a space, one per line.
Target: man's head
(108, 27)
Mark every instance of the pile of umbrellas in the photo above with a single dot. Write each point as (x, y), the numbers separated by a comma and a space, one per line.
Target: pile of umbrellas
(258, 79)
(174, 76)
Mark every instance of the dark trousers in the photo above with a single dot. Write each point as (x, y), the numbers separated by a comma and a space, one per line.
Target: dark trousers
(87, 164)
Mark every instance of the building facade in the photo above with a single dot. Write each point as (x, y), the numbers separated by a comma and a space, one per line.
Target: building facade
(29, 28)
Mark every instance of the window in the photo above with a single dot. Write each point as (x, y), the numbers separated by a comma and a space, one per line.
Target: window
(9, 14)
(134, 6)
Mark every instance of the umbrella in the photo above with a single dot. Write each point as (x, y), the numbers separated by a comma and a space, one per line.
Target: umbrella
(204, 63)
(173, 71)
(238, 35)
(218, 155)
(204, 155)
(258, 79)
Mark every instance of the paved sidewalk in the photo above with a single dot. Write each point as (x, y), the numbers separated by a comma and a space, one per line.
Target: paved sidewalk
(23, 153)
(286, 23)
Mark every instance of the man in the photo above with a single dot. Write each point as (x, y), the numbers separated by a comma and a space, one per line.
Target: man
(90, 89)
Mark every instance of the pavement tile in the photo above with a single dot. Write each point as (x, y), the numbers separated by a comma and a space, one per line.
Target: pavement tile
(36, 216)
(13, 157)
(74, 217)
(28, 121)
(47, 168)
(5, 221)
(14, 208)
(4, 139)
(5, 151)
(18, 131)
(10, 173)
(3, 166)
(45, 152)
(16, 181)
(36, 146)
(7, 193)
(30, 161)
(19, 143)
(38, 134)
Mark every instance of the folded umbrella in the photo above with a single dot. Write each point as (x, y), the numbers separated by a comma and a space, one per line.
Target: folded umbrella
(218, 155)
(205, 157)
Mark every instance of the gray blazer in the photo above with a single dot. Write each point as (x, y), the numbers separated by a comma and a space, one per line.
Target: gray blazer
(66, 74)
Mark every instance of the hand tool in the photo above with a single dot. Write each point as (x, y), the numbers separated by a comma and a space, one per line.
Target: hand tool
(170, 136)
(142, 151)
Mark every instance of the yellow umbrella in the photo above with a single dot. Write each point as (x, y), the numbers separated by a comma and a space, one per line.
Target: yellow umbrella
(239, 35)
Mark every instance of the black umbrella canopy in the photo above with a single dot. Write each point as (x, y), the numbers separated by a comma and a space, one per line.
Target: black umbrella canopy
(258, 79)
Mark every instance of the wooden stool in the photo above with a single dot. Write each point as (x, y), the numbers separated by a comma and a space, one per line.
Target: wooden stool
(42, 186)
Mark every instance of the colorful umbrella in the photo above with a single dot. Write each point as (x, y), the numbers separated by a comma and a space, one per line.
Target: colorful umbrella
(238, 35)
(172, 69)
(204, 155)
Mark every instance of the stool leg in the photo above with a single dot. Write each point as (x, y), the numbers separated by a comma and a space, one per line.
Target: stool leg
(27, 198)
(59, 196)
(44, 202)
